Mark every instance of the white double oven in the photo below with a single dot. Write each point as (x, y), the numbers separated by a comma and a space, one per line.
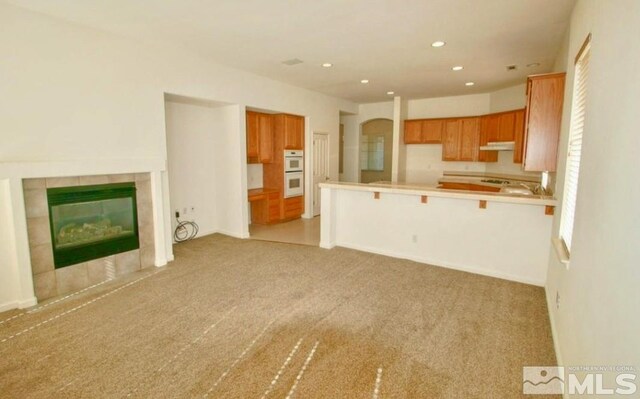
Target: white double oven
(293, 173)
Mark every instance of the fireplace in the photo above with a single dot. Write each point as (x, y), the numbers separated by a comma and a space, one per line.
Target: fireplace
(91, 222)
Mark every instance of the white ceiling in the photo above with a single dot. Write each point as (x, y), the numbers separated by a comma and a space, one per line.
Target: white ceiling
(385, 41)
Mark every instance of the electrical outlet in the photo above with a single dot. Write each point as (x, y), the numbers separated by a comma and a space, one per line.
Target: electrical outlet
(557, 300)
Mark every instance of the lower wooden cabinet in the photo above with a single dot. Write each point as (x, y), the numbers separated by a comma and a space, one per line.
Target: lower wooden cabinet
(293, 207)
(468, 187)
(265, 205)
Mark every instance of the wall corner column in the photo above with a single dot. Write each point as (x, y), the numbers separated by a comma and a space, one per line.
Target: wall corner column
(329, 218)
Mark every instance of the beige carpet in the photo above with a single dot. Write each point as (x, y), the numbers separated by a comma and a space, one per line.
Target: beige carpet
(251, 319)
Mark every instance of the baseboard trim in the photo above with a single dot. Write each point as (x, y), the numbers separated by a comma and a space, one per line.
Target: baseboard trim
(483, 272)
(27, 303)
(10, 305)
(554, 332)
(327, 245)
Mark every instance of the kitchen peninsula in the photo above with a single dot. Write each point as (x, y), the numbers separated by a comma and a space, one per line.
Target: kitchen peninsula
(490, 233)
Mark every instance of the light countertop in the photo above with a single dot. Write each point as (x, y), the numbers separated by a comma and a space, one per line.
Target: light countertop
(418, 189)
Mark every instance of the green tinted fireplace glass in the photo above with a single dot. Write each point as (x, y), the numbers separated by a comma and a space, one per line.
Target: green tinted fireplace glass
(91, 222)
(87, 222)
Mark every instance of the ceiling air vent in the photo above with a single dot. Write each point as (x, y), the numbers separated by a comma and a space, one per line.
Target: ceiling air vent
(293, 61)
(511, 67)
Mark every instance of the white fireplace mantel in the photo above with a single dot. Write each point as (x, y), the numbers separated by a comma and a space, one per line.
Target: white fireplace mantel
(16, 282)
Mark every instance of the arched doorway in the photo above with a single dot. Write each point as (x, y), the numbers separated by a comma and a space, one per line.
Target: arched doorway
(376, 147)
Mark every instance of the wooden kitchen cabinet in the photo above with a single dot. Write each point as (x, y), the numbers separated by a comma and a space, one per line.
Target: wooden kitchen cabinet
(265, 205)
(468, 187)
(253, 143)
(432, 131)
(259, 137)
(506, 126)
(293, 207)
(451, 140)
(519, 136)
(469, 139)
(461, 140)
(543, 116)
(413, 132)
(487, 125)
(292, 128)
(423, 131)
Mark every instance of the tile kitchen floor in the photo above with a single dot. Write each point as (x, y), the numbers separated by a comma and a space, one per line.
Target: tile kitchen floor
(299, 231)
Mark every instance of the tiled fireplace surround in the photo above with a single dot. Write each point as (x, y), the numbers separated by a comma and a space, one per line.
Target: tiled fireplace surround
(48, 281)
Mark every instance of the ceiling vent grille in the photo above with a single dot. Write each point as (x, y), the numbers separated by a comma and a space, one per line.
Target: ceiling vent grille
(293, 61)
(511, 67)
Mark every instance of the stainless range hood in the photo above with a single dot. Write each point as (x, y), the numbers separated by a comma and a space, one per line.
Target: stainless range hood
(498, 146)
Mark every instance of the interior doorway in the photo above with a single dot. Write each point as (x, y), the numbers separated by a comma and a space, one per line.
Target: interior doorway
(376, 148)
(320, 167)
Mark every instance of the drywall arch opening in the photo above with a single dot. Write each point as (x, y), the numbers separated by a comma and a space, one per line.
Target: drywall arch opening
(376, 150)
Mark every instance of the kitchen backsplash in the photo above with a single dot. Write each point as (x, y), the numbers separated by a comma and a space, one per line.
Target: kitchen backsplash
(254, 175)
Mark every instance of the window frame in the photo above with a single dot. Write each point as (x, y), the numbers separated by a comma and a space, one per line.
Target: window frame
(572, 167)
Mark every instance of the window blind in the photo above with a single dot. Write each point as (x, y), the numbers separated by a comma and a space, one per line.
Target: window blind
(575, 146)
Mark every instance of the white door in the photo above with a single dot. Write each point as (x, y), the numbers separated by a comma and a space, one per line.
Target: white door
(320, 167)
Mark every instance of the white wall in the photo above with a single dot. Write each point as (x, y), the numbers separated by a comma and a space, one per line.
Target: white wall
(509, 98)
(8, 271)
(597, 320)
(193, 136)
(79, 96)
(504, 240)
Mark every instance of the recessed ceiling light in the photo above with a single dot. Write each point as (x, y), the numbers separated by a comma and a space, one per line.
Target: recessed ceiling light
(438, 43)
(533, 65)
(327, 65)
(390, 93)
(364, 81)
(469, 84)
(458, 68)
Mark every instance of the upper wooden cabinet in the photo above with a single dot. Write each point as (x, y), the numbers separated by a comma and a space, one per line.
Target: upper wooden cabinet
(291, 127)
(461, 139)
(506, 128)
(423, 131)
(488, 123)
(413, 132)
(545, 94)
(259, 137)
(519, 136)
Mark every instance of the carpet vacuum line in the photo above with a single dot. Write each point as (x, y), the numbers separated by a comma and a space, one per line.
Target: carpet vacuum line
(376, 388)
(302, 370)
(187, 346)
(274, 381)
(239, 358)
(26, 330)
(56, 301)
